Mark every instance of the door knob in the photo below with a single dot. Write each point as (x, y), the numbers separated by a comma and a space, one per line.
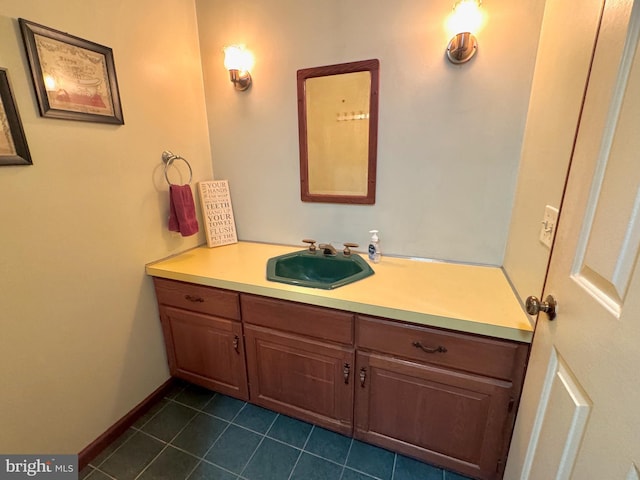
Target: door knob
(535, 306)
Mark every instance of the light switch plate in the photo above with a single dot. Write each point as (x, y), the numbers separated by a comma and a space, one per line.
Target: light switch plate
(548, 227)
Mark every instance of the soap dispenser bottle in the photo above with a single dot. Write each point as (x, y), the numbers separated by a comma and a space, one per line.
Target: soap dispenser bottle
(374, 247)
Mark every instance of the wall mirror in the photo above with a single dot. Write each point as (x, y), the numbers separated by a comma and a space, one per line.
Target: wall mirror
(338, 132)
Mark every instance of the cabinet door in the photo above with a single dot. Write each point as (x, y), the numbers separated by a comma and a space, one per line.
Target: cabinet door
(301, 377)
(205, 350)
(448, 418)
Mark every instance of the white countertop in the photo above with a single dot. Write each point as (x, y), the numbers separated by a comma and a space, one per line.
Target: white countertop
(468, 298)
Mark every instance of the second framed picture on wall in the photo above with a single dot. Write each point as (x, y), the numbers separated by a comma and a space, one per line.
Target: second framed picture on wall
(74, 79)
(13, 143)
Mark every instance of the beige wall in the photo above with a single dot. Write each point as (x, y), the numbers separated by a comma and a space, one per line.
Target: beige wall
(449, 136)
(81, 343)
(556, 101)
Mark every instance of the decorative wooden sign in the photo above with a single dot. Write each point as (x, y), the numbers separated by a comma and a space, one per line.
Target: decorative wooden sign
(217, 213)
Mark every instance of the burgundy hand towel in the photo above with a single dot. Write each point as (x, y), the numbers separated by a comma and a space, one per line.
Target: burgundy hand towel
(182, 215)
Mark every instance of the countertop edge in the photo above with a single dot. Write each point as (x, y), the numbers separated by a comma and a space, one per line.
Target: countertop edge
(355, 307)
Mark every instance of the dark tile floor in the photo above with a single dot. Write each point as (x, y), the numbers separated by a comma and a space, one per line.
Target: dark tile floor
(197, 434)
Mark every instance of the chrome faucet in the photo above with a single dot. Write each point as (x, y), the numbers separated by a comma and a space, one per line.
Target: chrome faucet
(327, 249)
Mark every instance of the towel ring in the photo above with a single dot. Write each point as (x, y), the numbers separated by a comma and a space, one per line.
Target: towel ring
(168, 159)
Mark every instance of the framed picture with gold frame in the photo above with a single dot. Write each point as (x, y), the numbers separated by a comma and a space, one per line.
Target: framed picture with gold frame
(13, 143)
(74, 79)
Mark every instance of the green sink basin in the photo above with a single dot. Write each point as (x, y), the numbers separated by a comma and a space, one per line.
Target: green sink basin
(317, 270)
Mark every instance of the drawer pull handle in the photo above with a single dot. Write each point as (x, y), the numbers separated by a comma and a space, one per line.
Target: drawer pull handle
(363, 376)
(345, 373)
(194, 298)
(236, 344)
(438, 349)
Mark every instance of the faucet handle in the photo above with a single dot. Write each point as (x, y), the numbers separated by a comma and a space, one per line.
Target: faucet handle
(347, 248)
(312, 244)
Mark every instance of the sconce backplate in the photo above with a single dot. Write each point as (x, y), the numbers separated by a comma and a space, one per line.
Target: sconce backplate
(462, 48)
(241, 80)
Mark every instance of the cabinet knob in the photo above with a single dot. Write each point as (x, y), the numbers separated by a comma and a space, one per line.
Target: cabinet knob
(363, 376)
(236, 344)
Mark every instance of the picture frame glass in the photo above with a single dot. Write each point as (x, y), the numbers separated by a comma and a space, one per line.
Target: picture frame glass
(75, 78)
(7, 145)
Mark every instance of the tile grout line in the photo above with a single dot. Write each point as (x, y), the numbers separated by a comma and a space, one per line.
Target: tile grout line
(346, 459)
(167, 444)
(153, 460)
(252, 455)
(193, 469)
(365, 474)
(102, 472)
(229, 423)
(264, 435)
(361, 473)
(302, 450)
(393, 468)
(204, 456)
(200, 460)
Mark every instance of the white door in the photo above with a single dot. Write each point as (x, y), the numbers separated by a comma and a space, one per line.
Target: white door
(579, 417)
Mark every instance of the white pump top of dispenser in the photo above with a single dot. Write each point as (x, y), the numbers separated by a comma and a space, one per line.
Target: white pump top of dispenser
(374, 237)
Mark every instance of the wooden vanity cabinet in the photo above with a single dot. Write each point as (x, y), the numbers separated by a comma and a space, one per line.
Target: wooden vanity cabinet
(443, 397)
(300, 360)
(203, 336)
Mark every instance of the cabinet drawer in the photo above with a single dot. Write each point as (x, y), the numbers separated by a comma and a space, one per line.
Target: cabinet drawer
(197, 298)
(495, 358)
(317, 322)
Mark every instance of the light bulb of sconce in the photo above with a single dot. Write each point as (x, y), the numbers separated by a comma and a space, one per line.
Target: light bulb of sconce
(466, 17)
(236, 57)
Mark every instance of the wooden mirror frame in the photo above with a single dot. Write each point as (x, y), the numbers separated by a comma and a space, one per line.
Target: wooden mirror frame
(371, 66)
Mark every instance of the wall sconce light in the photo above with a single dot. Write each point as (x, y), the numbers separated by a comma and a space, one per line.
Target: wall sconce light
(463, 22)
(239, 63)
